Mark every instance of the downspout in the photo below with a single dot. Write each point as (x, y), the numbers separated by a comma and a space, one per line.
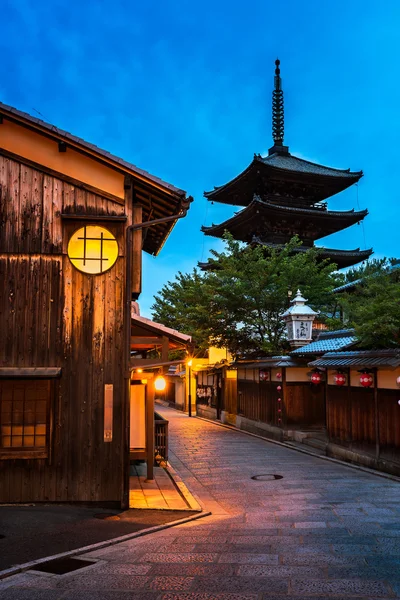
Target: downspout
(127, 335)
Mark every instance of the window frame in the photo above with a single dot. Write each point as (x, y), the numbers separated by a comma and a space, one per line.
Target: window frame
(7, 453)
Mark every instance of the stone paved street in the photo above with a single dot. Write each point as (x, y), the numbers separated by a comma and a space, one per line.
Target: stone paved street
(322, 531)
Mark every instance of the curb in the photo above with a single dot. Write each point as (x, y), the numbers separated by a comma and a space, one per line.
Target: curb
(304, 451)
(193, 502)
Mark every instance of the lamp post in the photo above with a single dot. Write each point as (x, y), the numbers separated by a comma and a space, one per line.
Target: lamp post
(299, 319)
(190, 346)
(190, 362)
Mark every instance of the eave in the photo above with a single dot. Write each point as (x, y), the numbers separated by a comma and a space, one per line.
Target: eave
(158, 198)
(260, 218)
(315, 182)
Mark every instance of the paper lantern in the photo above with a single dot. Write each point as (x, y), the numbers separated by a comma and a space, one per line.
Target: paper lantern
(398, 381)
(316, 377)
(366, 380)
(339, 379)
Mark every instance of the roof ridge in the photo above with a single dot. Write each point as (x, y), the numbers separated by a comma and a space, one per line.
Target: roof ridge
(90, 146)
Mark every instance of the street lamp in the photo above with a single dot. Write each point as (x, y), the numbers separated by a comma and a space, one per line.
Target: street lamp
(189, 364)
(299, 319)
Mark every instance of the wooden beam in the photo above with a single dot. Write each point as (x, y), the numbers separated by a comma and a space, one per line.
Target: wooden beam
(29, 372)
(150, 429)
(152, 340)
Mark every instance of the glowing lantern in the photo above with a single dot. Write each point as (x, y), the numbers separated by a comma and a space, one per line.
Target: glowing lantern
(299, 319)
(316, 377)
(366, 379)
(279, 375)
(339, 379)
(398, 381)
(160, 383)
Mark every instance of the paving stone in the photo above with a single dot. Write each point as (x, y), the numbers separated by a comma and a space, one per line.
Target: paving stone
(369, 588)
(176, 558)
(30, 594)
(115, 595)
(171, 583)
(99, 581)
(320, 559)
(281, 572)
(191, 569)
(209, 596)
(240, 584)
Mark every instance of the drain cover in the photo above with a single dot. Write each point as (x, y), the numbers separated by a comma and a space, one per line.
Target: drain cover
(266, 477)
(60, 566)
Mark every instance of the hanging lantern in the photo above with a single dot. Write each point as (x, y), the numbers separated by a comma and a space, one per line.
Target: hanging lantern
(279, 387)
(316, 377)
(398, 381)
(279, 375)
(339, 379)
(366, 380)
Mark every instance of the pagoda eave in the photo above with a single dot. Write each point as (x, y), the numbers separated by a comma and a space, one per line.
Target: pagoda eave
(272, 223)
(287, 176)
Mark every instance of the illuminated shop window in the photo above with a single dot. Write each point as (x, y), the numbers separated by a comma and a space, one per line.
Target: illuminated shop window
(93, 249)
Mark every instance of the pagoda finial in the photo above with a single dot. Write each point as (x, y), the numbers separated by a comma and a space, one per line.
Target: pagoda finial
(277, 108)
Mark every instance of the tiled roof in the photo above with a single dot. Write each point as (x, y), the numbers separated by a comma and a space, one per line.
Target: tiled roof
(328, 341)
(288, 162)
(149, 324)
(60, 133)
(360, 358)
(273, 361)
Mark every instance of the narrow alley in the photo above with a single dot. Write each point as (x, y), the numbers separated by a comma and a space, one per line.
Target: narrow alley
(283, 524)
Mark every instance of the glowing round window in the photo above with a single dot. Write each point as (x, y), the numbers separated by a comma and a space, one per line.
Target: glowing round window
(93, 249)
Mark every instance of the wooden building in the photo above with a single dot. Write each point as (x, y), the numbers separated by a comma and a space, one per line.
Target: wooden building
(282, 195)
(363, 406)
(74, 220)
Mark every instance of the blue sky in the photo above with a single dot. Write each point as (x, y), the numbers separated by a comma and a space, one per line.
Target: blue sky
(183, 90)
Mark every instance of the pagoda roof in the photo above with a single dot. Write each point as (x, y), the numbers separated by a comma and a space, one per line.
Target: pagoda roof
(278, 224)
(287, 177)
(343, 258)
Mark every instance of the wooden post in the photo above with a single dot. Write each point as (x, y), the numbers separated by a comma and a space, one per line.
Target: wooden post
(137, 243)
(377, 445)
(150, 427)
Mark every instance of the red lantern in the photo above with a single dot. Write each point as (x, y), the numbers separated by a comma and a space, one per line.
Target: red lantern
(316, 377)
(279, 375)
(366, 379)
(339, 379)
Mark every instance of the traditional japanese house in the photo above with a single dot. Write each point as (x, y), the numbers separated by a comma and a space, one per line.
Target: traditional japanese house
(74, 220)
(363, 406)
(283, 196)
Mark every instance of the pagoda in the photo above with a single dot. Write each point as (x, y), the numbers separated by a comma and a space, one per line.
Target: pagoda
(283, 196)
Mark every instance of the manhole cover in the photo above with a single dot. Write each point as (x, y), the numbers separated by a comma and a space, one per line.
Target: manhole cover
(266, 477)
(60, 566)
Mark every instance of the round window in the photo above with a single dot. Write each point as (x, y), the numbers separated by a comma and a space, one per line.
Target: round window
(93, 249)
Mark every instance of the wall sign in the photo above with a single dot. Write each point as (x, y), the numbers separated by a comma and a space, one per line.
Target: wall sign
(108, 411)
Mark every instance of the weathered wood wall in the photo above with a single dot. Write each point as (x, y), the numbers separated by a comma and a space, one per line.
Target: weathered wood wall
(352, 420)
(53, 315)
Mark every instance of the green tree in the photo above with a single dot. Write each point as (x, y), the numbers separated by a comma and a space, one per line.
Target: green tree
(373, 308)
(239, 304)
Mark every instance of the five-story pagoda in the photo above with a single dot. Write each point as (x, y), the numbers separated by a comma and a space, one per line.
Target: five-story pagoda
(283, 196)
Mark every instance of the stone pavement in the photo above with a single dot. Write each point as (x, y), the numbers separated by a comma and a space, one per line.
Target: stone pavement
(159, 494)
(323, 531)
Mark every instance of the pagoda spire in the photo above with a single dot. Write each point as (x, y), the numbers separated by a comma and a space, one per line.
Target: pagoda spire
(278, 114)
(277, 108)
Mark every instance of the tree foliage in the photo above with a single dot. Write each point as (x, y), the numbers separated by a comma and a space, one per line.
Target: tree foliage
(239, 304)
(373, 308)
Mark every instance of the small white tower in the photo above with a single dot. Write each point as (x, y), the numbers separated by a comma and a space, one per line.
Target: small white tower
(299, 319)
